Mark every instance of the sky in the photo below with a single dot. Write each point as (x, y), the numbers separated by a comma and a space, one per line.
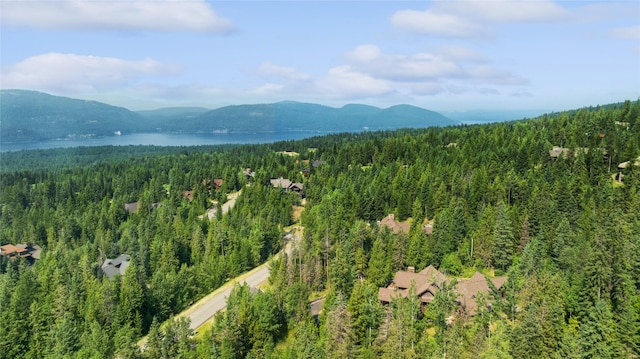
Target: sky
(447, 55)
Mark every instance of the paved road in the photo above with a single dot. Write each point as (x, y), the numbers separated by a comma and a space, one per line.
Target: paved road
(209, 306)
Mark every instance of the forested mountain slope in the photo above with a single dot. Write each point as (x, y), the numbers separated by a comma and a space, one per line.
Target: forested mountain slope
(295, 116)
(564, 230)
(33, 116)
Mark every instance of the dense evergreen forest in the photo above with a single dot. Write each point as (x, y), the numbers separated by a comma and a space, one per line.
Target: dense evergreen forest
(564, 230)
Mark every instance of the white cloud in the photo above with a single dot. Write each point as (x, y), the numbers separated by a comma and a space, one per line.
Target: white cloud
(494, 76)
(498, 11)
(343, 82)
(424, 88)
(399, 67)
(627, 33)
(158, 15)
(447, 63)
(473, 18)
(435, 23)
(368, 72)
(71, 73)
(459, 53)
(288, 73)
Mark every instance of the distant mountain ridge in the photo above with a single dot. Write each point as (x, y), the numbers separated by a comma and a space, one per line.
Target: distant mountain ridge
(35, 116)
(297, 116)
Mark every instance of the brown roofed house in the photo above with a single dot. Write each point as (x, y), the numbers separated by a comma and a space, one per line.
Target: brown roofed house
(24, 250)
(429, 281)
(469, 288)
(395, 226)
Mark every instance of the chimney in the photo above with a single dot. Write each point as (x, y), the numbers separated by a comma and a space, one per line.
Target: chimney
(411, 269)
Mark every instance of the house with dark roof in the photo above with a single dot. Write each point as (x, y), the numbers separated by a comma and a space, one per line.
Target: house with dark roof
(116, 266)
(430, 281)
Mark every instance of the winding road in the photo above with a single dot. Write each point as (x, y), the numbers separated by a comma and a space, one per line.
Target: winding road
(203, 310)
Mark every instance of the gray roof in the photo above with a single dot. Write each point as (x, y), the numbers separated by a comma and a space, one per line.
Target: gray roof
(118, 265)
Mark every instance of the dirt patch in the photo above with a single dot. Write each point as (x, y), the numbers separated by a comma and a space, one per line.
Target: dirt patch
(297, 212)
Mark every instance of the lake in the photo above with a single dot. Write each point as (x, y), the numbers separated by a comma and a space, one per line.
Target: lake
(162, 139)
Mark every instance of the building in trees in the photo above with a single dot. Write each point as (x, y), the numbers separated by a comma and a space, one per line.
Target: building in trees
(287, 185)
(430, 281)
(27, 251)
(395, 226)
(118, 265)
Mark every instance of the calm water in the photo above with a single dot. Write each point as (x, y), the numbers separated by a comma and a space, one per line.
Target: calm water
(159, 139)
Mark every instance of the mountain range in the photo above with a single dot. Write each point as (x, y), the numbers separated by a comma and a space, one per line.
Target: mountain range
(35, 116)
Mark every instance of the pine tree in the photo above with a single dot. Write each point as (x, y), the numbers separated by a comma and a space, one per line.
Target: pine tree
(597, 337)
(502, 239)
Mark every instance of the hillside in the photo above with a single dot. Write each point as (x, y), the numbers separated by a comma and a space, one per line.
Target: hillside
(33, 116)
(295, 116)
(171, 114)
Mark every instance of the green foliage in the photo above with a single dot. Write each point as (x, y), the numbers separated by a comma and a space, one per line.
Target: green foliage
(564, 235)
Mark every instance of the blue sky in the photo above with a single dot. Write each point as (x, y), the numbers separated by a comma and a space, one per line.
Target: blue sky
(442, 55)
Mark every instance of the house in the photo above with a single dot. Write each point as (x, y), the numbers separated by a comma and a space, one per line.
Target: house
(395, 226)
(133, 206)
(623, 166)
(249, 173)
(626, 164)
(116, 266)
(469, 288)
(429, 281)
(217, 183)
(287, 186)
(281, 183)
(556, 152)
(22, 250)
